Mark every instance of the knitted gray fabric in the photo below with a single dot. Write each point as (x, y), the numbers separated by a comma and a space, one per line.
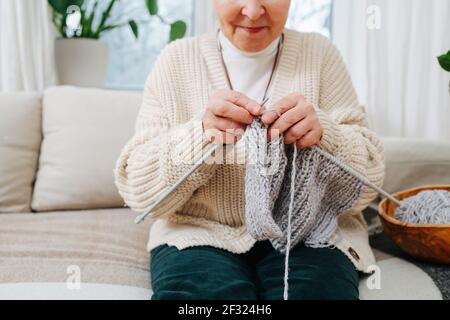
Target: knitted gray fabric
(322, 192)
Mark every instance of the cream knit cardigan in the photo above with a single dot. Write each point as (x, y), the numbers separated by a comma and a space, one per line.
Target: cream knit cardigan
(208, 208)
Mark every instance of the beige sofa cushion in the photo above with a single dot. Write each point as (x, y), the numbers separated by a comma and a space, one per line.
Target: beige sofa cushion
(58, 291)
(84, 132)
(104, 246)
(20, 140)
(415, 162)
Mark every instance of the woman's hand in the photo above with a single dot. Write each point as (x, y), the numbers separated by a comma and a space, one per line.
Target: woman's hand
(227, 115)
(298, 121)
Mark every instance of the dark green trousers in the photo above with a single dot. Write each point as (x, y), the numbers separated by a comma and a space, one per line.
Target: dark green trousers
(210, 273)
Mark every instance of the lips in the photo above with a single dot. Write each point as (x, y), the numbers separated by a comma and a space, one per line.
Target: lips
(252, 29)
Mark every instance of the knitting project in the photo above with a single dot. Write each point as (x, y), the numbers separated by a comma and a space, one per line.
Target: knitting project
(291, 195)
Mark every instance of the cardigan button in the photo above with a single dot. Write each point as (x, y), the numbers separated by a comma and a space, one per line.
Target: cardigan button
(353, 253)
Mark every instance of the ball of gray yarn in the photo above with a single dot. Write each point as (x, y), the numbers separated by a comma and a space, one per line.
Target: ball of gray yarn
(426, 207)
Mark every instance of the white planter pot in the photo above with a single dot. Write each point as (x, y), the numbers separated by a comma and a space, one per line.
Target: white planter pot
(81, 62)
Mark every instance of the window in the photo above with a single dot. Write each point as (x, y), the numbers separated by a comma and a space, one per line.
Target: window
(311, 15)
(131, 60)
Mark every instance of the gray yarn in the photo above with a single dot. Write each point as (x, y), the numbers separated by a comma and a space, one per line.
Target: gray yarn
(322, 192)
(292, 195)
(426, 207)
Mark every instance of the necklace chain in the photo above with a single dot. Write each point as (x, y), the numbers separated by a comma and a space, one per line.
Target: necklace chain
(275, 65)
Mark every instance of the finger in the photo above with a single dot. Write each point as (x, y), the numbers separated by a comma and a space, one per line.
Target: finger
(226, 109)
(309, 139)
(281, 107)
(225, 124)
(213, 134)
(289, 119)
(243, 101)
(297, 131)
(217, 136)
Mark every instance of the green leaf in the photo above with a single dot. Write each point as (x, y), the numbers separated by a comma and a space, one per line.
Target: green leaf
(84, 22)
(105, 16)
(88, 30)
(60, 6)
(109, 27)
(152, 6)
(177, 30)
(444, 61)
(134, 28)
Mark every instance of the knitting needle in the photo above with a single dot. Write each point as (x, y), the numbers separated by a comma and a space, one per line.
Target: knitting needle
(168, 192)
(358, 175)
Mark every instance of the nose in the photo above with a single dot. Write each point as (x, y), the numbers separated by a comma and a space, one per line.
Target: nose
(253, 9)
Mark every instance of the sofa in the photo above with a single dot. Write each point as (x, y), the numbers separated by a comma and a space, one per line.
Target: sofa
(65, 232)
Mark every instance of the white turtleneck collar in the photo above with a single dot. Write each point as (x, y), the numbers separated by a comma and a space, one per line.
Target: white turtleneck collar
(249, 71)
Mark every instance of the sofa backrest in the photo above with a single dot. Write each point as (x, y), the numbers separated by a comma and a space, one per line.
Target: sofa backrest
(413, 162)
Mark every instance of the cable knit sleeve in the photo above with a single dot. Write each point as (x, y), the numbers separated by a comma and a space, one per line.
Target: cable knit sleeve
(346, 133)
(161, 151)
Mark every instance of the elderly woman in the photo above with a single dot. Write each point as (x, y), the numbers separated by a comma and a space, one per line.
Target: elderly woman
(216, 83)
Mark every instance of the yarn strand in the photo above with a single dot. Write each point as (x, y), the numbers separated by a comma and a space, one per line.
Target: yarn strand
(289, 228)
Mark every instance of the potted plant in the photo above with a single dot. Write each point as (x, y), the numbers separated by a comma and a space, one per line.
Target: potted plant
(444, 61)
(80, 58)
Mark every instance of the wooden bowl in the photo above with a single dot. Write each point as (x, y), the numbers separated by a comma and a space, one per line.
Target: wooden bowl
(428, 242)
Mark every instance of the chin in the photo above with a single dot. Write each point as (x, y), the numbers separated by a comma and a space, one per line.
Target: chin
(253, 41)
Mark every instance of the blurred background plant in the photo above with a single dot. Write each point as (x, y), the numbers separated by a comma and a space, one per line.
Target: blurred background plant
(91, 18)
(444, 61)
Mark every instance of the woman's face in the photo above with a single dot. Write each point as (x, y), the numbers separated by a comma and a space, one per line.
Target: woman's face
(251, 25)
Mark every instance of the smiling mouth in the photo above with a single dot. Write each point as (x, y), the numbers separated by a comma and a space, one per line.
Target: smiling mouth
(252, 29)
